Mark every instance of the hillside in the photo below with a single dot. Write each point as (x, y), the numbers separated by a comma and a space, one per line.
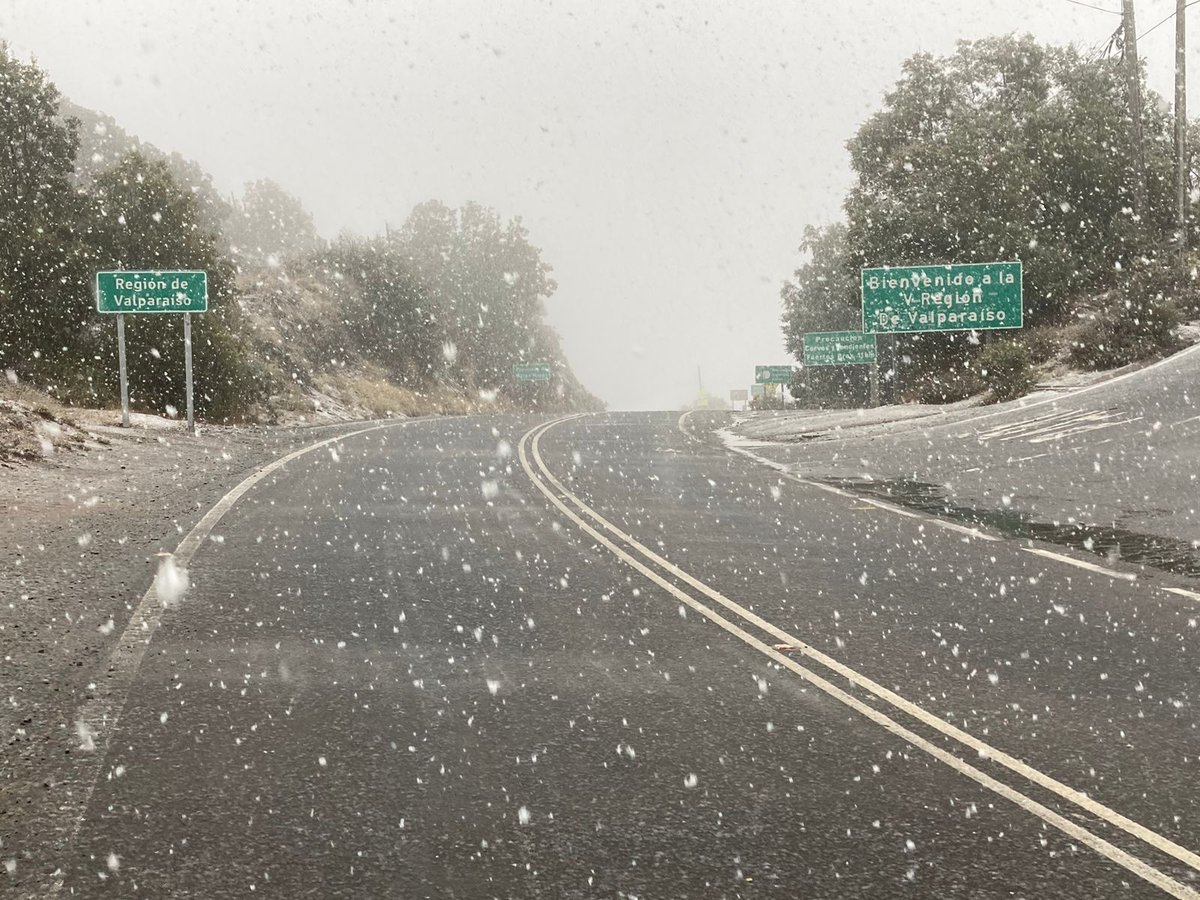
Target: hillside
(429, 318)
(297, 320)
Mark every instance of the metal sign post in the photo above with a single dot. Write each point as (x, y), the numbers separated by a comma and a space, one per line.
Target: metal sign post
(184, 291)
(187, 368)
(773, 375)
(124, 374)
(844, 348)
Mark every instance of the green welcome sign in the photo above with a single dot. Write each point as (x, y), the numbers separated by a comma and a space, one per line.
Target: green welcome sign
(968, 297)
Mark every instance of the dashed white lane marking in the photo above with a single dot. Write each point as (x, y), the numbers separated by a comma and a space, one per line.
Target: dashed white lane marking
(1028, 458)
(102, 712)
(1081, 564)
(1183, 592)
(985, 751)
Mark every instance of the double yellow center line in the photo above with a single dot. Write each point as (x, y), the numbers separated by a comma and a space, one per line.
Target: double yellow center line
(658, 570)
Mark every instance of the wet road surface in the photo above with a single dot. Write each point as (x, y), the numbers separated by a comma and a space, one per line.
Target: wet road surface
(479, 658)
(1113, 469)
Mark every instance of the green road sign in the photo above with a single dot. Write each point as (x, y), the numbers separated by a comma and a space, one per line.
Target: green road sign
(152, 292)
(758, 390)
(772, 374)
(969, 297)
(537, 371)
(838, 348)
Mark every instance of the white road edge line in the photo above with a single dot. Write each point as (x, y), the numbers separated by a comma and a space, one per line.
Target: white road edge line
(103, 711)
(953, 526)
(841, 492)
(1082, 564)
(984, 750)
(1183, 592)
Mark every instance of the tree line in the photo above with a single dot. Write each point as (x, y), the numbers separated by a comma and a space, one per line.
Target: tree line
(453, 297)
(1005, 150)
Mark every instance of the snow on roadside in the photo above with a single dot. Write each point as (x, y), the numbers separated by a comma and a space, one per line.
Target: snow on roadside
(808, 424)
(29, 432)
(795, 426)
(111, 418)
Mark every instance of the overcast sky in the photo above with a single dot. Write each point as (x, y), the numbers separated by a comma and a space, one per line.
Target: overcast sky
(665, 156)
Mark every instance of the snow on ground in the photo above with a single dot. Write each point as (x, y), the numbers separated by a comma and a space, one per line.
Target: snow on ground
(1189, 332)
(32, 432)
(810, 424)
(794, 426)
(108, 419)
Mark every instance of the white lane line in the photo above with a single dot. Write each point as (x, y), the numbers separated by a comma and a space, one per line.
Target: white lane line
(941, 523)
(683, 425)
(1028, 426)
(1183, 592)
(887, 506)
(1059, 425)
(1110, 851)
(102, 712)
(984, 750)
(841, 492)
(1022, 459)
(1080, 429)
(1081, 564)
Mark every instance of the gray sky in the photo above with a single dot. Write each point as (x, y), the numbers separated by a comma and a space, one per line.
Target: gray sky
(664, 156)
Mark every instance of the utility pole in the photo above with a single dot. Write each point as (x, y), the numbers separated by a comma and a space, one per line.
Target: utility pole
(1181, 169)
(1134, 87)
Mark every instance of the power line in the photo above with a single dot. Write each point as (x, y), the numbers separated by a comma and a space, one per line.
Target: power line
(1167, 19)
(1097, 8)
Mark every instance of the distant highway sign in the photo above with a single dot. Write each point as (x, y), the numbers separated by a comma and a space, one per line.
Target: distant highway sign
(838, 348)
(772, 374)
(535, 371)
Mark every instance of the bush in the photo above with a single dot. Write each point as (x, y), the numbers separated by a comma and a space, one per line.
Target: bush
(1044, 342)
(1006, 370)
(943, 385)
(1137, 321)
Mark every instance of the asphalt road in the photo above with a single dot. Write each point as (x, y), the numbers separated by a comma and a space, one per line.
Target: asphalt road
(608, 658)
(1123, 453)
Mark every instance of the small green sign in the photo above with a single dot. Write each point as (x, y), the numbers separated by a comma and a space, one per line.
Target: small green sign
(152, 292)
(758, 391)
(969, 297)
(536, 371)
(772, 374)
(838, 348)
